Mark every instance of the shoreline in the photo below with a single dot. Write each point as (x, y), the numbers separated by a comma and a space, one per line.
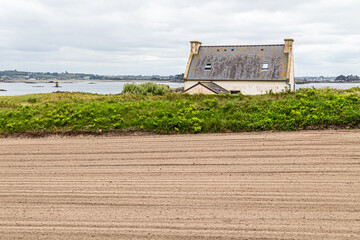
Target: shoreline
(302, 83)
(136, 81)
(79, 80)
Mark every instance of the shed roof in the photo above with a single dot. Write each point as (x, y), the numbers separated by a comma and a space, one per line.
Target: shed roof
(212, 87)
(240, 62)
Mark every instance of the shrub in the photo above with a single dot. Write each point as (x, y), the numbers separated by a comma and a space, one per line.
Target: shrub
(32, 100)
(147, 89)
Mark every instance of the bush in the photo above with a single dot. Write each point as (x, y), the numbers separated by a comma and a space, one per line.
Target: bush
(148, 89)
(32, 100)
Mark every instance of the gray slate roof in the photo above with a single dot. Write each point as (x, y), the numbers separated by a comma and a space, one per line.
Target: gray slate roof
(239, 63)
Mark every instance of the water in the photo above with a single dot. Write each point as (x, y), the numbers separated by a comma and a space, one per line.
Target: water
(90, 87)
(115, 87)
(329, 85)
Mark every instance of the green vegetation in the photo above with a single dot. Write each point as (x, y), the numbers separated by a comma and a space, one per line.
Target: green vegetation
(147, 89)
(180, 113)
(348, 78)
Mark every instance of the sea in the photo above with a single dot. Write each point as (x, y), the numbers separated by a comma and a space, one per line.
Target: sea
(114, 87)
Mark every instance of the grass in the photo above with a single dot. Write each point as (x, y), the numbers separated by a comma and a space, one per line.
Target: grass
(180, 113)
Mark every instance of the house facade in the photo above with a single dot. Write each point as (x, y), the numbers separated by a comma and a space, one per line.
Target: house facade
(249, 69)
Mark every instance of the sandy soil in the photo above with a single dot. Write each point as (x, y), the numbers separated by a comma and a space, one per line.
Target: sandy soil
(292, 185)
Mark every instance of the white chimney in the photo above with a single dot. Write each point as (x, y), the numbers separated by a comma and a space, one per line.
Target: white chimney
(195, 45)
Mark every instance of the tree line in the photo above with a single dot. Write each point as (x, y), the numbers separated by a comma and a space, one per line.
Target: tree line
(347, 78)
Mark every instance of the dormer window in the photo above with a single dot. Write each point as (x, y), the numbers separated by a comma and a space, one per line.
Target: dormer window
(208, 66)
(265, 66)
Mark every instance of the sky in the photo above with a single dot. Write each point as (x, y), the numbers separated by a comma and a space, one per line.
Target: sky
(151, 37)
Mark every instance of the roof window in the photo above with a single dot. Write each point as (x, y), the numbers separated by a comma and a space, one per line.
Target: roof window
(208, 66)
(265, 66)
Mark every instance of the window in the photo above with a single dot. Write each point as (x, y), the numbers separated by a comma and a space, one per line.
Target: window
(235, 91)
(208, 66)
(265, 66)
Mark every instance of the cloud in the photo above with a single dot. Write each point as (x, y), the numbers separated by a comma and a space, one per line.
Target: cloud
(152, 37)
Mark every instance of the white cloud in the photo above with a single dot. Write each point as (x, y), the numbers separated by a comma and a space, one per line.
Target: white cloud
(152, 37)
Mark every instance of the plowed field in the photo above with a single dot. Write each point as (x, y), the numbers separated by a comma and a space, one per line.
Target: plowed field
(288, 185)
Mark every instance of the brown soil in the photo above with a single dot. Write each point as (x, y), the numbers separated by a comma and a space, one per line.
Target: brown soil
(288, 185)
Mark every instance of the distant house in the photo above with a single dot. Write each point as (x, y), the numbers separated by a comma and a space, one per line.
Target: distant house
(249, 69)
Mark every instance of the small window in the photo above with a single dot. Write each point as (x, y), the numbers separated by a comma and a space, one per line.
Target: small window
(225, 50)
(232, 49)
(265, 66)
(208, 66)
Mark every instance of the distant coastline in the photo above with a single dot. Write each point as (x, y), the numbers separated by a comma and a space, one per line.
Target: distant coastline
(14, 76)
(35, 81)
(326, 81)
(24, 76)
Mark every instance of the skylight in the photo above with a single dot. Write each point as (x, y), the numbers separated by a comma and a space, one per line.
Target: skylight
(208, 66)
(265, 66)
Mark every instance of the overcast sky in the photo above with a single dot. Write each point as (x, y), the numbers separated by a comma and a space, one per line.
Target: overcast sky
(152, 36)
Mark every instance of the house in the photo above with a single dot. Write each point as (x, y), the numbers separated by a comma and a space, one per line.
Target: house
(249, 69)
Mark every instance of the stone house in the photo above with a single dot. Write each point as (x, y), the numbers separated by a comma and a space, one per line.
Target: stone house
(249, 69)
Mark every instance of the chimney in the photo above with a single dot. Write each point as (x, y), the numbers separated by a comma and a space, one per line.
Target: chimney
(195, 45)
(288, 45)
(290, 71)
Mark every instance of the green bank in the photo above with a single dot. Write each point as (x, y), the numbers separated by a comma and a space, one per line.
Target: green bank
(170, 113)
